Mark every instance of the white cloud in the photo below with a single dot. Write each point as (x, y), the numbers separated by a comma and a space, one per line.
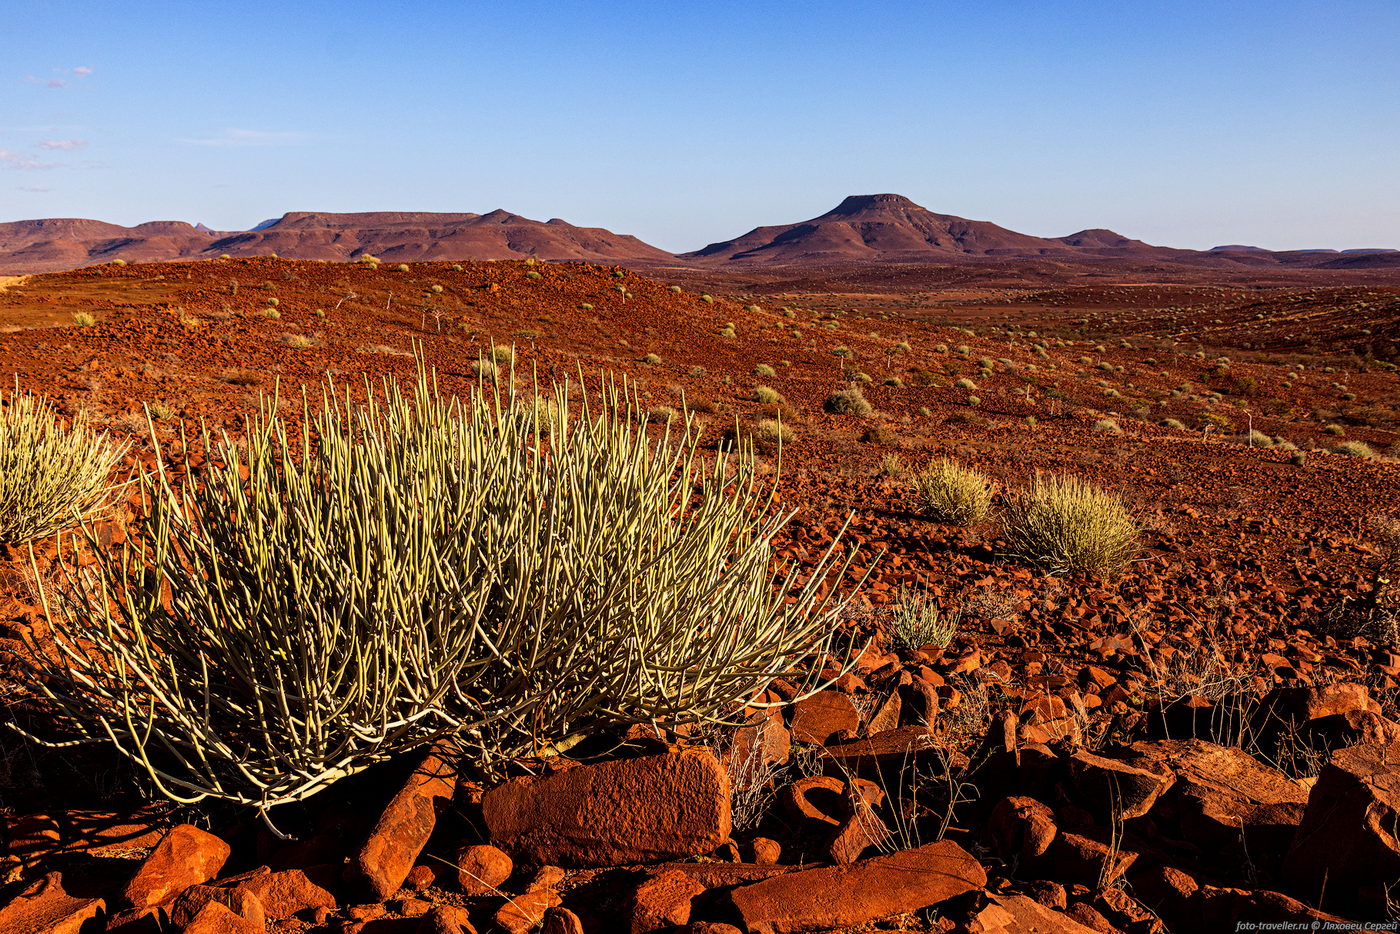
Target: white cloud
(82, 71)
(63, 145)
(14, 160)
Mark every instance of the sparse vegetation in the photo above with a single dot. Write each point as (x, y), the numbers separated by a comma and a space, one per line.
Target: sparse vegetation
(916, 621)
(441, 589)
(850, 401)
(1356, 449)
(767, 395)
(1066, 524)
(83, 319)
(53, 473)
(952, 493)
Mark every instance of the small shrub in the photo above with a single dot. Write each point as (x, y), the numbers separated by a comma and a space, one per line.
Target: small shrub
(652, 358)
(1335, 430)
(916, 622)
(1173, 423)
(974, 401)
(273, 301)
(676, 289)
(663, 414)
(53, 474)
(862, 378)
(772, 431)
(1257, 439)
(1066, 524)
(298, 341)
(118, 262)
(83, 320)
(952, 493)
(764, 370)
(707, 299)
(891, 465)
(533, 274)
(1108, 425)
(727, 331)
(842, 351)
(849, 401)
(1356, 449)
(160, 412)
(767, 395)
(966, 384)
(272, 313)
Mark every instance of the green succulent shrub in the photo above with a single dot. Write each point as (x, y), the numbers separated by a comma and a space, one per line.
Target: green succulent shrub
(850, 401)
(952, 493)
(916, 622)
(53, 474)
(513, 570)
(1066, 524)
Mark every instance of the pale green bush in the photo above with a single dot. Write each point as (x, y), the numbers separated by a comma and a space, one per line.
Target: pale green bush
(952, 493)
(372, 576)
(916, 622)
(1067, 524)
(53, 474)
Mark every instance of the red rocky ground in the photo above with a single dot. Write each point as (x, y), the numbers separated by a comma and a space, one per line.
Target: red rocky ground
(1208, 738)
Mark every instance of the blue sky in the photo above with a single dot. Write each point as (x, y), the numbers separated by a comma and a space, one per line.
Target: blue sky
(1184, 123)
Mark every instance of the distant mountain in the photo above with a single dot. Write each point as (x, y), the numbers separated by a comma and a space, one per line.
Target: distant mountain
(888, 228)
(862, 229)
(65, 243)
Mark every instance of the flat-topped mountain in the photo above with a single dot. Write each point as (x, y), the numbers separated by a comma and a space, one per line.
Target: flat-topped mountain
(64, 243)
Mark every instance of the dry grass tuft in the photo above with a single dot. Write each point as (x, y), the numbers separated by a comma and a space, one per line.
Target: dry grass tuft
(1066, 524)
(953, 493)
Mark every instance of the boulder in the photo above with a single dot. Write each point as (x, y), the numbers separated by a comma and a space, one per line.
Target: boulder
(1222, 909)
(1021, 830)
(1112, 789)
(46, 907)
(394, 842)
(663, 901)
(614, 813)
(847, 896)
(522, 912)
(218, 918)
(561, 921)
(184, 857)
(192, 900)
(1017, 914)
(446, 919)
(288, 892)
(1349, 839)
(482, 868)
(1224, 800)
(819, 718)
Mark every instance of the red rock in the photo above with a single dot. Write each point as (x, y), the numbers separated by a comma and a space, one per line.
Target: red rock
(1222, 909)
(764, 742)
(218, 918)
(663, 901)
(1113, 789)
(1021, 829)
(886, 715)
(766, 852)
(401, 832)
(184, 857)
(1293, 706)
(420, 877)
(1350, 834)
(846, 896)
(290, 891)
(193, 899)
(892, 748)
(858, 833)
(818, 718)
(522, 912)
(1048, 718)
(723, 875)
(710, 927)
(1221, 790)
(46, 907)
(1017, 914)
(612, 813)
(561, 921)
(482, 868)
(814, 800)
(1078, 859)
(446, 919)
